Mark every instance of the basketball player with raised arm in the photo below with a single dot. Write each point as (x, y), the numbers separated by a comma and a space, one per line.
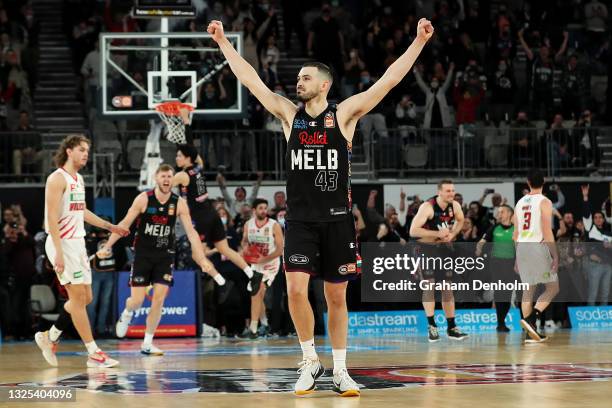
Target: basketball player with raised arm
(154, 247)
(437, 223)
(65, 215)
(320, 231)
(191, 181)
(263, 240)
(537, 259)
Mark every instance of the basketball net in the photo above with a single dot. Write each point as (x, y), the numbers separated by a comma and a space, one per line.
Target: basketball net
(169, 113)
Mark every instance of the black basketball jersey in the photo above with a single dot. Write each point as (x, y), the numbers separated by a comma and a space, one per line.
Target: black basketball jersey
(441, 218)
(196, 192)
(155, 228)
(318, 164)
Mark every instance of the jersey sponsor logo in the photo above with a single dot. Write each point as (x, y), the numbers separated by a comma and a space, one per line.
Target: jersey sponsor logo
(78, 274)
(300, 124)
(161, 209)
(352, 245)
(311, 159)
(347, 268)
(317, 138)
(160, 219)
(312, 123)
(156, 230)
(76, 207)
(338, 211)
(299, 259)
(77, 196)
(151, 210)
(329, 121)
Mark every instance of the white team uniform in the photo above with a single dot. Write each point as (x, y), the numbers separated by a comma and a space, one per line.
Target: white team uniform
(263, 238)
(533, 257)
(72, 232)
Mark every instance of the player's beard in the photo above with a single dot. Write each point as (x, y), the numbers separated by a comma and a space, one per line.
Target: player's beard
(164, 189)
(306, 96)
(261, 218)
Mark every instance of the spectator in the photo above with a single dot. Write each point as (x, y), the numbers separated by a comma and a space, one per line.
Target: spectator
(325, 41)
(27, 147)
(374, 120)
(271, 54)
(504, 91)
(252, 37)
(469, 231)
(541, 69)
(280, 203)
(466, 104)
(352, 68)
(558, 145)
(235, 204)
(585, 137)
(491, 213)
(479, 216)
(600, 255)
(595, 20)
(388, 228)
(437, 113)
(246, 212)
(405, 117)
(574, 88)
(523, 139)
(18, 247)
(91, 73)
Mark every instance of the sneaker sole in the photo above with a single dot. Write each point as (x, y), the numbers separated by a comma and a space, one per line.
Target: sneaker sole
(150, 353)
(96, 365)
(305, 392)
(532, 333)
(347, 393)
(532, 341)
(37, 338)
(458, 338)
(433, 340)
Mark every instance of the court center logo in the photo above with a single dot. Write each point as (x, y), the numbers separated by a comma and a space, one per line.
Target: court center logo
(239, 381)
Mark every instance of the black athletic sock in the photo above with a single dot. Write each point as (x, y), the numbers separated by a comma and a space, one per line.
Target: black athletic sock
(431, 321)
(537, 315)
(501, 309)
(451, 323)
(63, 320)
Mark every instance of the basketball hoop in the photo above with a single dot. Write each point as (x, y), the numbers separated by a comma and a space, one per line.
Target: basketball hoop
(170, 113)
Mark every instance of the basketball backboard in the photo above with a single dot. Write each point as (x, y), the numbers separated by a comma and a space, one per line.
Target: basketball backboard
(141, 70)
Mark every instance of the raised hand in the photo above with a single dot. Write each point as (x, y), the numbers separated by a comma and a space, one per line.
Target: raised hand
(424, 29)
(215, 28)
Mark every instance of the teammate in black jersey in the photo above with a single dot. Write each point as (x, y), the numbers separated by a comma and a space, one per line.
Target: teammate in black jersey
(320, 233)
(192, 184)
(156, 211)
(439, 220)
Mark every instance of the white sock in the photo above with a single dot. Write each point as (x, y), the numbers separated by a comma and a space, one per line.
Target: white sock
(308, 349)
(126, 315)
(92, 347)
(148, 339)
(248, 271)
(339, 360)
(54, 333)
(264, 321)
(219, 279)
(253, 326)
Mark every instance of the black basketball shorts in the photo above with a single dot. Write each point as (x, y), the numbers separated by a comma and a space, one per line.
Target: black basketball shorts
(208, 225)
(148, 270)
(322, 249)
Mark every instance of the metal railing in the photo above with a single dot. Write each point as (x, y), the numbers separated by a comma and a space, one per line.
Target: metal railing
(466, 151)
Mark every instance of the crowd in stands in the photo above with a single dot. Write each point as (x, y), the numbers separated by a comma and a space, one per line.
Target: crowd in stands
(585, 264)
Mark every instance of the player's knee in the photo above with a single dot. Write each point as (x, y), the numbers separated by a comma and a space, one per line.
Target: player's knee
(158, 300)
(136, 301)
(80, 300)
(88, 298)
(297, 291)
(335, 301)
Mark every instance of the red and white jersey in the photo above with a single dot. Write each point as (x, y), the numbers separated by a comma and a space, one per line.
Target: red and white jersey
(72, 216)
(528, 213)
(262, 237)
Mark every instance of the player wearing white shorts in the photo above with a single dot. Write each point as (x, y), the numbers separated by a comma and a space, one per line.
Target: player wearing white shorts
(262, 243)
(65, 215)
(537, 259)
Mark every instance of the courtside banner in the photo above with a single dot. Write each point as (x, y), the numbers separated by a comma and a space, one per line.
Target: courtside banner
(178, 314)
(591, 317)
(414, 322)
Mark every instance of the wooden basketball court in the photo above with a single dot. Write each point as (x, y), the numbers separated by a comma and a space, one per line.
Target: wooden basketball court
(572, 369)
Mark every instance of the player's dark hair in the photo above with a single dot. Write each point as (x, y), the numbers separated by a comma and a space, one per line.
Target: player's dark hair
(163, 168)
(443, 182)
(69, 142)
(322, 68)
(535, 178)
(258, 201)
(188, 151)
